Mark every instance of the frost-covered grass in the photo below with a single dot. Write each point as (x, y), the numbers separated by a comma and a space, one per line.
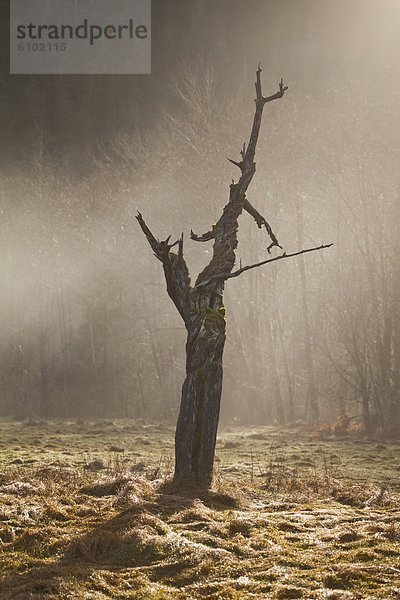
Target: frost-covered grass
(87, 511)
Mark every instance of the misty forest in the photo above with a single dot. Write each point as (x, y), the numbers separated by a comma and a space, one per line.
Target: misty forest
(200, 311)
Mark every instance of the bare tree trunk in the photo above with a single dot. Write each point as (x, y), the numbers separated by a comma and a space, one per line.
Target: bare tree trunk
(65, 352)
(111, 359)
(202, 310)
(289, 375)
(275, 378)
(93, 354)
(45, 408)
(394, 409)
(312, 398)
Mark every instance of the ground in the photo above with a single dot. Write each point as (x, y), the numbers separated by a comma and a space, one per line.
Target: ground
(87, 512)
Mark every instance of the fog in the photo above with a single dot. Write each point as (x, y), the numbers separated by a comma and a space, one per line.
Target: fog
(87, 328)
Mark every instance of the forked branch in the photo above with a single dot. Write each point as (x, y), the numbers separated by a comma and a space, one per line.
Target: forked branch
(175, 268)
(279, 94)
(248, 156)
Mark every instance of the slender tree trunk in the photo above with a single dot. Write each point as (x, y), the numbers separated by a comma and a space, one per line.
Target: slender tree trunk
(65, 352)
(394, 409)
(313, 402)
(289, 375)
(365, 412)
(93, 354)
(45, 408)
(275, 392)
(44, 380)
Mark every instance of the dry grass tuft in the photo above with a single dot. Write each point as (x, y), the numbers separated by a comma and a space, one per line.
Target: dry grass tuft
(30, 540)
(125, 485)
(286, 592)
(345, 577)
(20, 488)
(108, 486)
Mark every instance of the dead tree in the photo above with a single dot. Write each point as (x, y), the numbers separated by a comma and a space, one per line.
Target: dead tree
(201, 307)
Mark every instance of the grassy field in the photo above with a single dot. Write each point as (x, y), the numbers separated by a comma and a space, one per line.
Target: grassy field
(87, 511)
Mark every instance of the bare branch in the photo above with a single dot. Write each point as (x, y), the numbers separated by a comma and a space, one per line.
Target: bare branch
(261, 222)
(225, 276)
(260, 101)
(154, 242)
(237, 164)
(175, 268)
(282, 90)
(345, 375)
(209, 235)
(270, 260)
(225, 232)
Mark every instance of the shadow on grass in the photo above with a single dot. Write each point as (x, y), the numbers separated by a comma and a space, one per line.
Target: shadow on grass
(138, 540)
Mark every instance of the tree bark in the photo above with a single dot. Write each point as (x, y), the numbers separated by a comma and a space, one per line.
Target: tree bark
(196, 431)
